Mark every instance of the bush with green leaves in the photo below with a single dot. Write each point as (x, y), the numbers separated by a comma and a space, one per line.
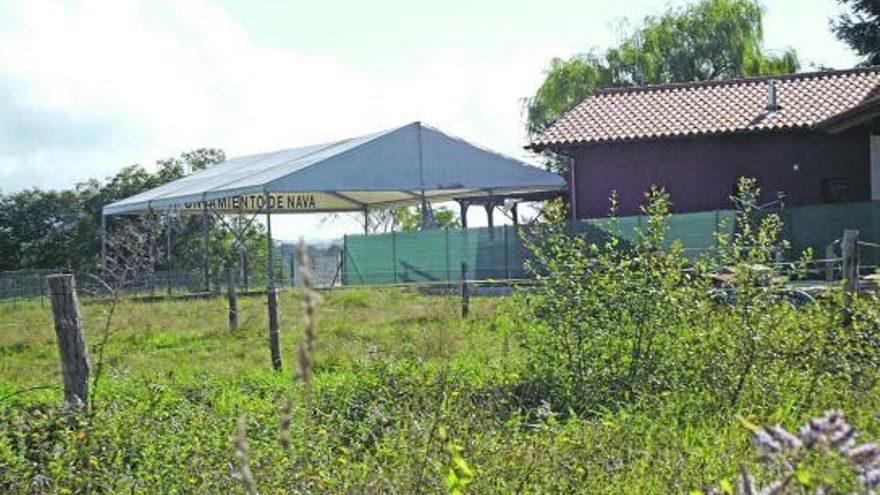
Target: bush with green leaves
(610, 323)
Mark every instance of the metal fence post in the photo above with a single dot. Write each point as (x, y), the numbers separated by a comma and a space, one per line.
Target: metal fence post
(293, 267)
(169, 257)
(232, 296)
(394, 254)
(788, 225)
(465, 292)
(716, 233)
(506, 255)
(206, 248)
(448, 274)
(245, 269)
(344, 256)
(829, 263)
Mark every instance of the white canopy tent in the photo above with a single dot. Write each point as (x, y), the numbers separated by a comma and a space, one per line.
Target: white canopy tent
(413, 164)
(405, 165)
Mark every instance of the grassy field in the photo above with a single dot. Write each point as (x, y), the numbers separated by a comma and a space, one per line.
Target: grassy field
(174, 363)
(408, 398)
(189, 339)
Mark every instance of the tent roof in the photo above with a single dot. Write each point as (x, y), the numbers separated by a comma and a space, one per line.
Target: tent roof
(395, 166)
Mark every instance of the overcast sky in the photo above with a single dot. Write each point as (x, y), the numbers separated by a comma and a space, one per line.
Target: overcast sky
(90, 86)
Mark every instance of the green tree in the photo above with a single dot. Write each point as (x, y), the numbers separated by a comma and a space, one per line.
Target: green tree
(407, 219)
(567, 83)
(860, 29)
(707, 41)
(53, 229)
(38, 229)
(202, 158)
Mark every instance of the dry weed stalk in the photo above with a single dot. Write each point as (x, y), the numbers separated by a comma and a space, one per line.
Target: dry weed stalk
(131, 254)
(306, 350)
(284, 424)
(243, 452)
(306, 353)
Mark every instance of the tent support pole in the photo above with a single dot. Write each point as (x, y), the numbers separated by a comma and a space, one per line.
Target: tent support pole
(463, 207)
(168, 256)
(366, 220)
(206, 251)
(154, 251)
(274, 343)
(490, 216)
(424, 215)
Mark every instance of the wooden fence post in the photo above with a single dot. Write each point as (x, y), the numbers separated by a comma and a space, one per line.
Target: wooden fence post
(71, 343)
(465, 292)
(829, 263)
(271, 292)
(274, 342)
(850, 248)
(232, 296)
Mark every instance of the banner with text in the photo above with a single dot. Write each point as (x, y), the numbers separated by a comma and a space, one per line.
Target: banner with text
(278, 202)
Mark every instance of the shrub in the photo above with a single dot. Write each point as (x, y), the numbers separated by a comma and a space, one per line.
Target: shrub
(609, 323)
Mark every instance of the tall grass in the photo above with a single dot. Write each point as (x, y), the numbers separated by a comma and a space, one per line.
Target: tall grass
(617, 373)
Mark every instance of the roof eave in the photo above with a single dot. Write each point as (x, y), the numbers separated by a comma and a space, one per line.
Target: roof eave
(851, 118)
(563, 147)
(555, 147)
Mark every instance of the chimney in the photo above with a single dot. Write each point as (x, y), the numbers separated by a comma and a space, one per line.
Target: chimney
(772, 100)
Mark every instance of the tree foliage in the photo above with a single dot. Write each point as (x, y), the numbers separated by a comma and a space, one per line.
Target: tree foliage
(710, 40)
(55, 229)
(860, 29)
(408, 219)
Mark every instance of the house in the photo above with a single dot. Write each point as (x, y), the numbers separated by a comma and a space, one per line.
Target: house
(812, 136)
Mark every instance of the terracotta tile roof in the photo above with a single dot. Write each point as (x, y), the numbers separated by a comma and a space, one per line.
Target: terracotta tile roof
(806, 100)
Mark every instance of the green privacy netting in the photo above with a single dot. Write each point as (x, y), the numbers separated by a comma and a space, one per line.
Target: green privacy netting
(817, 226)
(696, 231)
(437, 255)
(433, 256)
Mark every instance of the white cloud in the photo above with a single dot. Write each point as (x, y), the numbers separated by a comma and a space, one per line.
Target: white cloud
(100, 84)
(91, 85)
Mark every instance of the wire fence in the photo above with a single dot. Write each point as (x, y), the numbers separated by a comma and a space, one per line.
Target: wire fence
(248, 276)
(439, 256)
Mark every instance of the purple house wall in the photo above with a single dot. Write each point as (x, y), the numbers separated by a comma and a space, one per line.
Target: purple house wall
(701, 172)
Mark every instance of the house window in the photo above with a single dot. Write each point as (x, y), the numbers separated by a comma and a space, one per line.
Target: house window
(835, 190)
